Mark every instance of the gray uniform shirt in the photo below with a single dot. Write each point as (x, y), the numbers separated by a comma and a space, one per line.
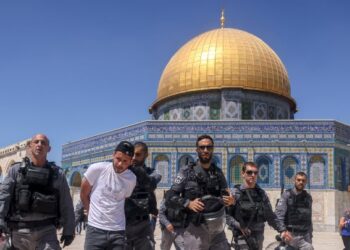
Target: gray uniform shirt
(270, 217)
(66, 209)
(281, 209)
(163, 220)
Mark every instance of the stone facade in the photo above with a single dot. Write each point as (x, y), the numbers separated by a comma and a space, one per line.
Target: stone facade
(11, 154)
(280, 148)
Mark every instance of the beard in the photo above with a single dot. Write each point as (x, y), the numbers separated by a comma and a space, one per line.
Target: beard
(205, 160)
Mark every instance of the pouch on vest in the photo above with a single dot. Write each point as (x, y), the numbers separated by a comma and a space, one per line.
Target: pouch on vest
(37, 176)
(46, 204)
(24, 200)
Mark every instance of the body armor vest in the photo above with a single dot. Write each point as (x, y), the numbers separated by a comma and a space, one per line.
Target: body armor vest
(201, 182)
(34, 191)
(250, 207)
(298, 216)
(137, 206)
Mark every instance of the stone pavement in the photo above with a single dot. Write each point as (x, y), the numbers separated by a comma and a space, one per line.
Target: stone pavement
(321, 240)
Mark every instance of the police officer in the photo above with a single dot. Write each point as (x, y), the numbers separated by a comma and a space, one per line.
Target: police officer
(172, 218)
(247, 217)
(202, 190)
(34, 197)
(294, 212)
(141, 204)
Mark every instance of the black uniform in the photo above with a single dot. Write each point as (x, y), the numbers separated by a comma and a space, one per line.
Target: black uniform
(251, 211)
(138, 207)
(193, 182)
(294, 212)
(36, 200)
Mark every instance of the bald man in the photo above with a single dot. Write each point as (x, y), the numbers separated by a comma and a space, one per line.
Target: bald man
(34, 199)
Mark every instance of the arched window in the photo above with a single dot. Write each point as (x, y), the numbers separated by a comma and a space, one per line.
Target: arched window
(9, 166)
(184, 161)
(235, 166)
(289, 168)
(264, 165)
(75, 180)
(317, 167)
(161, 164)
(216, 161)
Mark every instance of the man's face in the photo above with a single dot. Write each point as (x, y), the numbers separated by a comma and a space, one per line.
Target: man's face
(205, 150)
(121, 161)
(139, 156)
(250, 175)
(39, 146)
(300, 182)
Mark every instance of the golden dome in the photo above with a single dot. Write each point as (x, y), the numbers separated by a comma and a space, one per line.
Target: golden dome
(224, 58)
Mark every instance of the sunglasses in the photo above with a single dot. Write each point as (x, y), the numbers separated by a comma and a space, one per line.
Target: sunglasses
(251, 172)
(209, 148)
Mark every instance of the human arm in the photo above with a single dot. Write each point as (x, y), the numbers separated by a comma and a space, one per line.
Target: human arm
(85, 190)
(163, 219)
(280, 212)
(7, 188)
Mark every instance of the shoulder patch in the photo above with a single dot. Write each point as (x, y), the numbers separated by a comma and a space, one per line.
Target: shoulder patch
(179, 179)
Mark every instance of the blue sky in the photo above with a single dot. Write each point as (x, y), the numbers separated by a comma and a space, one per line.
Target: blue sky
(73, 69)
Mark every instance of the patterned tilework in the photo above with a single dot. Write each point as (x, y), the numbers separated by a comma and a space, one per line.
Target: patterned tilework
(300, 139)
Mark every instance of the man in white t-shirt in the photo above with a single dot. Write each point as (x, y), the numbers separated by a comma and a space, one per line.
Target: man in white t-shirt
(103, 191)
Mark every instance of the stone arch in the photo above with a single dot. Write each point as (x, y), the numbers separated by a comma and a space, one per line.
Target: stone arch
(9, 165)
(316, 171)
(161, 164)
(289, 168)
(75, 180)
(264, 164)
(216, 161)
(235, 169)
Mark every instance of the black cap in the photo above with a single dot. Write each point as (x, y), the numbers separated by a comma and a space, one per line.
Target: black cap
(126, 148)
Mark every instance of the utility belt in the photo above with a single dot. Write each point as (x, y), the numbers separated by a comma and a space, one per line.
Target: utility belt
(31, 224)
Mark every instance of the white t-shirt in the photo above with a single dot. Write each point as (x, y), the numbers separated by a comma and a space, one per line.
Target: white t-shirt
(107, 198)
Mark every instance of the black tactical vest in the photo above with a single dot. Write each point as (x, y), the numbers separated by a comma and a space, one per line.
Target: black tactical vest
(201, 182)
(34, 191)
(250, 207)
(298, 216)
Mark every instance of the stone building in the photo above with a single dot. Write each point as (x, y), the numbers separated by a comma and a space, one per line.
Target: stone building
(230, 84)
(11, 154)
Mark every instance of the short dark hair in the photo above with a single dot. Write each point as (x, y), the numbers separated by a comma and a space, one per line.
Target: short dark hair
(142, 145)
(301, 173)
(202, 137)
(249, 163)
(126, 148)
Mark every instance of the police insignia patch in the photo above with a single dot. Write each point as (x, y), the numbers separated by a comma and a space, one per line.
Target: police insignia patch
(178, 179)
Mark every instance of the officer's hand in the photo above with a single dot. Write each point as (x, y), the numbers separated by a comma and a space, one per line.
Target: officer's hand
(196, 205)
(286, 236)
(170, 228)
(66, 240)
(245, 231)
(228, 199)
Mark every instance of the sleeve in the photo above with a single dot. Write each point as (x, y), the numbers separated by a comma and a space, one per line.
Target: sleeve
(281, 210)
(271, 217)
(230, 211)
(66, 208)
(93, 172)
(153, 203)
(178, 187)
(7, 188)
(131, 183)
(162, 217)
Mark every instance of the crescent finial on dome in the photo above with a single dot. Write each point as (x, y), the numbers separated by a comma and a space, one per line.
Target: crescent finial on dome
(222, 19)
